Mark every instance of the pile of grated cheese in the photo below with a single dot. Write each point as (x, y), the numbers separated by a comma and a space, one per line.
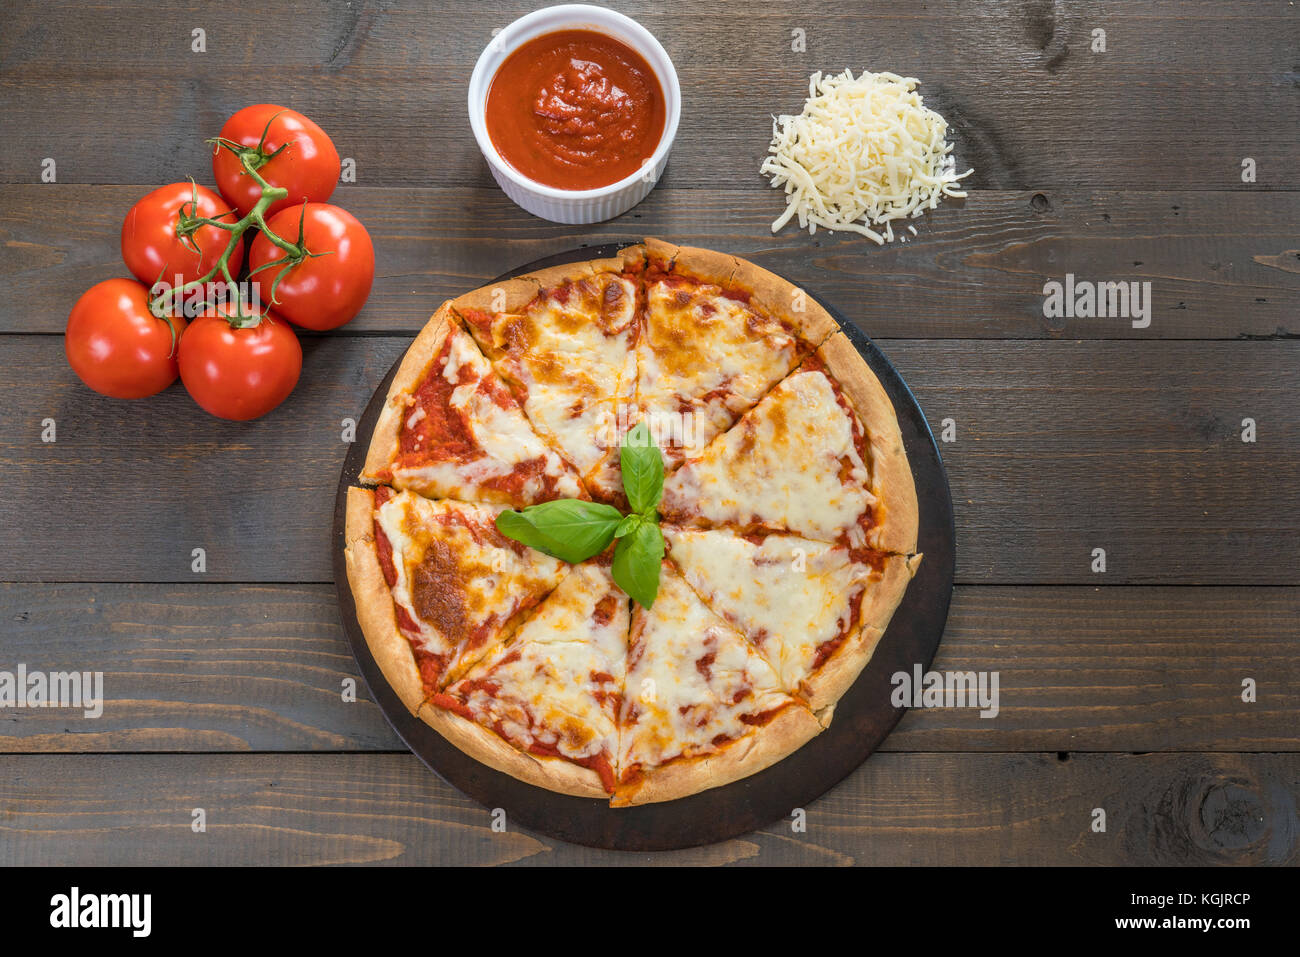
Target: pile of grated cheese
(864, 152)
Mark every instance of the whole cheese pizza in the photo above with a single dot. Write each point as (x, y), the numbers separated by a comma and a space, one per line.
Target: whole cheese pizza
(768, 541)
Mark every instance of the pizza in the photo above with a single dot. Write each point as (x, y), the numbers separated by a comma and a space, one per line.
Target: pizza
(787, 512)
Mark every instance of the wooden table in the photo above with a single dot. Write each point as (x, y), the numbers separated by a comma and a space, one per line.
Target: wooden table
(1120, 690)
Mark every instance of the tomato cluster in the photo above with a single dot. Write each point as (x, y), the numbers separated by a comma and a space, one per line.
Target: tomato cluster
(310, 264)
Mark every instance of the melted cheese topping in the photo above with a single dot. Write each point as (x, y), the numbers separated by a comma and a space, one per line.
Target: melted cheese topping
(791, 464)
(572, 356)
(788, 595)
(691, 680)
(501, 434)
(457, 577)
(556, 686)
(703, 359)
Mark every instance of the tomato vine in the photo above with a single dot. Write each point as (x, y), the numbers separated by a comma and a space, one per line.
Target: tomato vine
(188, 222)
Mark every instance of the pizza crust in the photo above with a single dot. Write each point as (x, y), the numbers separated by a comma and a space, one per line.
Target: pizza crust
(629, 259)
(487, 747)
(374, 601)
(776, 296)
(897, 528)
(427, 345)
(510, 296)
(660, 253)
(514, 295)
(766, 290)
(825, 687)
(782, 736)
(704, 265)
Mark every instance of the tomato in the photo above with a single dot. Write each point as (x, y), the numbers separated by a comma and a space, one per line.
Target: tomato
(321, 292)
(151, 248)
(308, 166)
(116, 345)
(239, 374)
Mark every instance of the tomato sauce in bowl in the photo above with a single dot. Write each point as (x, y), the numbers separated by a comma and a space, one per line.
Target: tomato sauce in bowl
(575, 110)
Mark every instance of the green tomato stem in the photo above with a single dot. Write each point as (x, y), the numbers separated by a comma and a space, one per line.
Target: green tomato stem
(188, 224)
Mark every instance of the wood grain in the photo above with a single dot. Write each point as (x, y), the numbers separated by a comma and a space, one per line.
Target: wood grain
(220, 668)
(1061, 448)
(1070, 434)
(1180, 94)
(1221, 265)
(898, 809)
(190, 668)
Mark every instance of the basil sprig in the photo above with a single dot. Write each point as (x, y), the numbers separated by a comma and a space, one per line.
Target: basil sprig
(643, 470)
(573, 530)
(567, 528)
(637, 557)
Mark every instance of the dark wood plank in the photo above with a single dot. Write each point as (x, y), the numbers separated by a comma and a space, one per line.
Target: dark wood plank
(1132, 448)
(190, 668)
(1220, 264)
(1061, 447)
(1182, 92)
(925, 809)
(261, 668)
(130, 489)
(1133, 669)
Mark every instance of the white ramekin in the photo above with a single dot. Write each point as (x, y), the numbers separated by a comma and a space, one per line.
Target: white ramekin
(574, 205)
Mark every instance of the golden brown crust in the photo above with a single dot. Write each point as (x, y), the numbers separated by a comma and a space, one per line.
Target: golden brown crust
(511, 296)
(897, 519)
(553, 277)
(704, 265)
(782, 736)
(885, 595)
(487, 747)
(629, 258)
(783, 299)
(634, 257)
(823, 688)
(415, 364)
(767, 291)
(659, 253)
(374, 601)
(515, 295)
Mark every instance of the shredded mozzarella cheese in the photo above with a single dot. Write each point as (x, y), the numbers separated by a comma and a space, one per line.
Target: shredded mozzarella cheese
(864, 152)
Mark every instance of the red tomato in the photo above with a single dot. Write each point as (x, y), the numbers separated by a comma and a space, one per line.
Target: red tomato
(116, 345)
(322, 292)
(308, 166)
(239, 374)
(154, 253)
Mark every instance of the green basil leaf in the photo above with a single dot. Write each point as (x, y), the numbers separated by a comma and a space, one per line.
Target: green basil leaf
(637, 559)
(568, 529)
(643, 469)
(628, 524)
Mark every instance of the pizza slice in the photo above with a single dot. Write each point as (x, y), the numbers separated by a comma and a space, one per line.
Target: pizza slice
(436, 585)
(820, 456)
(718, 333)
(451, 429)
(701, 708)
(813, 610)
(564, 340)
(545, 707)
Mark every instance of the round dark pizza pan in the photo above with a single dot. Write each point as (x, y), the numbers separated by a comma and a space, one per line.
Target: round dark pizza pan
(863, 717)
